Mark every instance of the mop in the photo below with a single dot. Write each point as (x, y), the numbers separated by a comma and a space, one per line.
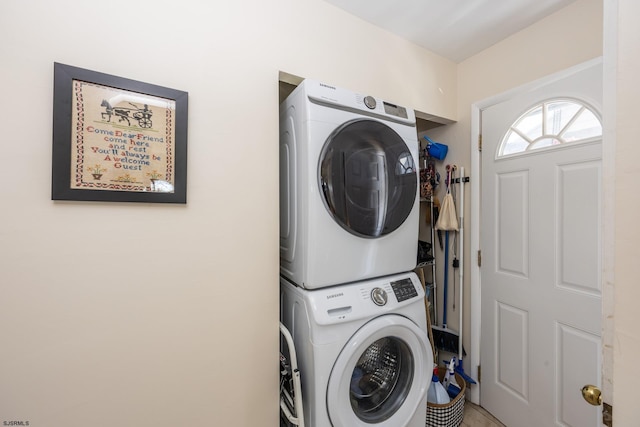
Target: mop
(459, 369)
(444, 338)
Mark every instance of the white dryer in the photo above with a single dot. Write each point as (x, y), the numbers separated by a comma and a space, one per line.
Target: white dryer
(363, 351)
(348, 187)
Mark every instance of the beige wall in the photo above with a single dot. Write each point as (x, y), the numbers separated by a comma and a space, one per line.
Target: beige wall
(568, 37)
(154, 315)
(159, 315)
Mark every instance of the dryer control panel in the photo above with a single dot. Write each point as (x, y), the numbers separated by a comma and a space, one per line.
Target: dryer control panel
(395, 110)
(322, 93)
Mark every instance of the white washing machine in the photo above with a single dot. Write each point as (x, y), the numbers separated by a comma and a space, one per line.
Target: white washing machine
(348, 187)
(363, 351)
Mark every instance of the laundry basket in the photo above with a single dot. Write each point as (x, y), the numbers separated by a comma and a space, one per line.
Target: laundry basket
(449, 414)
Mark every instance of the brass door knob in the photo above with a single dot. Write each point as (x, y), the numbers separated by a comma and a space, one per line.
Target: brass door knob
(592, 395)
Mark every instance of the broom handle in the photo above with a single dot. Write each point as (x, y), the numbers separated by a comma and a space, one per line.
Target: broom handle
(461, 255)
(433, 264)
(446, 261)
(445, 282)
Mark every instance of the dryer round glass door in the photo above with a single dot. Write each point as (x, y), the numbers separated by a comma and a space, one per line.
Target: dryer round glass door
(381, 376)
(368, 178)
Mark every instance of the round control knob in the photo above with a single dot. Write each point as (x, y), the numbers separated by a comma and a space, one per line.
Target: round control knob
(379, 296)
(370, 102)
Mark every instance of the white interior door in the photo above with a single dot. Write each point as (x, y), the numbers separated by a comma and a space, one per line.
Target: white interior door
(541, 266)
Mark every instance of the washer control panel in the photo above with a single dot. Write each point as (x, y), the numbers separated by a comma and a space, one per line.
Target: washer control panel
(362, 300)
(379, 296)
(404, 289)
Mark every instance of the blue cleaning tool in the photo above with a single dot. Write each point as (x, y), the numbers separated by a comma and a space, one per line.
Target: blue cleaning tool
(460, 371)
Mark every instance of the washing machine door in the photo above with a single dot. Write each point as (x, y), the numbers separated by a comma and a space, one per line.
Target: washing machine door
(381, 376)
(368, 178)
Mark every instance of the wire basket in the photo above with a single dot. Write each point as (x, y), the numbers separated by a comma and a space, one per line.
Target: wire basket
(448, 414)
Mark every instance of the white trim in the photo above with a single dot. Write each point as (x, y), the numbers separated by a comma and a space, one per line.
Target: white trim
(609, 111)
(475, 288)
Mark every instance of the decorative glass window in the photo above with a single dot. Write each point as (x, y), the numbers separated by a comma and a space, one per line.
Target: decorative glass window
(550, 124)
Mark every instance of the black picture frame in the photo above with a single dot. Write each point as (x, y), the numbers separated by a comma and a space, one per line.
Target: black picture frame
(132, 122)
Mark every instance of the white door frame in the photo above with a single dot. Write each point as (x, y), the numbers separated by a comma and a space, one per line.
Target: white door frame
(474, 244)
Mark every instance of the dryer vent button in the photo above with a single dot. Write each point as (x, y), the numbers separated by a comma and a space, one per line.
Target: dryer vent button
(379, 296)
(370, 102)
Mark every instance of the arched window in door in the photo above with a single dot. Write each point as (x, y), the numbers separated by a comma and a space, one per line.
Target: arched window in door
(551, 124)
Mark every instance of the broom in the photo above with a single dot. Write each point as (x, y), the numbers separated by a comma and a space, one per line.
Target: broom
(444, 338)
(459, 369)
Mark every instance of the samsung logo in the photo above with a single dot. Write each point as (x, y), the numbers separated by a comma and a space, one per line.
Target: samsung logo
(327, 86)
(338, 295)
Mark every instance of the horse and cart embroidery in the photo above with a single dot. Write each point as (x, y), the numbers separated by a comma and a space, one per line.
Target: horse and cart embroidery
(141, 115)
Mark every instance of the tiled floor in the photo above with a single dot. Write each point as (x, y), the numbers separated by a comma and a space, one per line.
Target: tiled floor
(475, 416)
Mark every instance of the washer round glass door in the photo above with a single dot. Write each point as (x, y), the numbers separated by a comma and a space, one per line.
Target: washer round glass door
(381, 375)
(368, 178)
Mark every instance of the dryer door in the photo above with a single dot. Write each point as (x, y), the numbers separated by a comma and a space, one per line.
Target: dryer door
(368, 178)
(382, 375)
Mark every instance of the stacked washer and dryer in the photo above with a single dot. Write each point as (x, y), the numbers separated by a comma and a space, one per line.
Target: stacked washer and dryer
(348, 240)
